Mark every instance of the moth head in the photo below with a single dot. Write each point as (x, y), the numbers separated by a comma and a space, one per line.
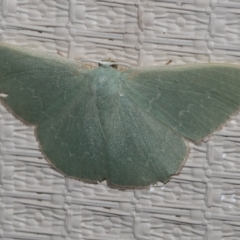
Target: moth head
(108, 63)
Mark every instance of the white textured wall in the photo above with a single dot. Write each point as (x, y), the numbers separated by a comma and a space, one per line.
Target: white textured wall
(202, 202)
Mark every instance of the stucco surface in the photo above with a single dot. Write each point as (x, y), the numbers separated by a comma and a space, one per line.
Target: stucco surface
(202, 202)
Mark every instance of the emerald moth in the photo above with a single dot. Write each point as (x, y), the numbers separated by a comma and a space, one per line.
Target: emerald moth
(130, 127)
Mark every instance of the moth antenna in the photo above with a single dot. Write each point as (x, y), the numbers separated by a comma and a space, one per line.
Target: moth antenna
(90, 60)
(105, 62)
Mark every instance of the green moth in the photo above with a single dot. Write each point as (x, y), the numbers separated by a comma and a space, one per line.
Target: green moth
(129, 127)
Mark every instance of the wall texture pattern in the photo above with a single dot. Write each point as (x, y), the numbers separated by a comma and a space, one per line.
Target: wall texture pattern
(202, 202)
